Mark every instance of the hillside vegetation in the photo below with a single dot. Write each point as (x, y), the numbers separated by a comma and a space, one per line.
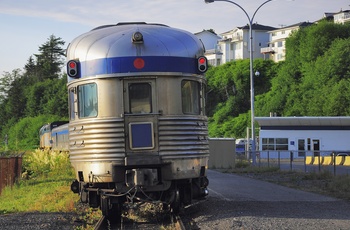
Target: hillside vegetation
(312, 81)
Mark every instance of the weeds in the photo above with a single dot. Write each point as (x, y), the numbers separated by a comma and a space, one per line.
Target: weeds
(45, 185)
(89, 217)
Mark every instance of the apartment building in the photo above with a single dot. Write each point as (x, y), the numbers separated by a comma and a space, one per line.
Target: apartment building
(340, 17)
(210, 41)
(268, 42)
(234, 44)
(276, 49)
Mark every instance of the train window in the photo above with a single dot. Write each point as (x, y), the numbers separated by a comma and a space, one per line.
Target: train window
(140, 98)
(87, 100)
(190, 97)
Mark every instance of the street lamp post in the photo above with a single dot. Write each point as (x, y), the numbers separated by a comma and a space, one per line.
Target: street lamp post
(250, 19)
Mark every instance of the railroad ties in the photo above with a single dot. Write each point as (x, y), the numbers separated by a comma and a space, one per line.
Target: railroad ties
(167, 221)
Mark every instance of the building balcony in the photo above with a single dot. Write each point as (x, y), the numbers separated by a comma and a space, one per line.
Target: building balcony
(237, 38)
(267, 50)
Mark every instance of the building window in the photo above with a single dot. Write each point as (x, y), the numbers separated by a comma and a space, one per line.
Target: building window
(278, 144)
(87, 100)
(281, 143)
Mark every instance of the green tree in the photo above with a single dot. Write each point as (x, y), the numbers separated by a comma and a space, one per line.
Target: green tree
(24, 134)
(38, 92)
(229, 93)
(316, 66)
(50, 59)
(48, 97)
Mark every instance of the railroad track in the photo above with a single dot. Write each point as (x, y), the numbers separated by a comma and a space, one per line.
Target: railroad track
(173, 222)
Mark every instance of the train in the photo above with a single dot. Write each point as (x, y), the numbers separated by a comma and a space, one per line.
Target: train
(137, 125)
(54, 136)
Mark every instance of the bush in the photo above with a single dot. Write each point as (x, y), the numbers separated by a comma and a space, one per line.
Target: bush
(45, 185)
(24, 135)
(45, 163)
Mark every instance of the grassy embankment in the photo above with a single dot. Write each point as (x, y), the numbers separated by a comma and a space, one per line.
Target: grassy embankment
(44, 186)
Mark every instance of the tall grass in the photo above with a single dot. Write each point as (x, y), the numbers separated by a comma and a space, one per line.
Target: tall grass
(44, 187)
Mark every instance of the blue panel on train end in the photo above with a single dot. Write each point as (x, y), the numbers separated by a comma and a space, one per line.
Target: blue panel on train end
(113, 65)
(141, 135)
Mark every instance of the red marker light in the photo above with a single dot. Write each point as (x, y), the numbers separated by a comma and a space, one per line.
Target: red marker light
(72, 64)
(139, 63)
(202, 64)
(72, 69)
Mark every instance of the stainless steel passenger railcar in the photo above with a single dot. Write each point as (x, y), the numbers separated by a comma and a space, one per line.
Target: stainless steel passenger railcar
(54, 136)
(138, 130)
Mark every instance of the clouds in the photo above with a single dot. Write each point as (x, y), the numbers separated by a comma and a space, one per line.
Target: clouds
(28, 23)
(193, 15)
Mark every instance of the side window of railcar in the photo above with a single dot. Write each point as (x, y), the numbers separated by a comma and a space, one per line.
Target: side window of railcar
(190, 97)
(140, 98)
(71, 104)
(87, 100)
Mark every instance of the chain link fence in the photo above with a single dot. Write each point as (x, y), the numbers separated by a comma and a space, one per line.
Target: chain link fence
(337, 162)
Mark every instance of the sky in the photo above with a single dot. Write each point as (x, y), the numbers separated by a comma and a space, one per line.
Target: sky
(27, 24)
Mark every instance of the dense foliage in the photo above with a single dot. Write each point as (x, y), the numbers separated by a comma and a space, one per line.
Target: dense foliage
(312, 81)
(31, 97)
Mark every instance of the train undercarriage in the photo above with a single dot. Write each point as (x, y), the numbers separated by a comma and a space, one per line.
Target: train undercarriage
(141, 185)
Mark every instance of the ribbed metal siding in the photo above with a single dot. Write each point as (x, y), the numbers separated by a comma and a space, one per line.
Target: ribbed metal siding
(97, 140)
(183, 136)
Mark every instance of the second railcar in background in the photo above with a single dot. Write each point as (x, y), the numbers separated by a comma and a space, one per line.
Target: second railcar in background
(54, 136)
(138, 130)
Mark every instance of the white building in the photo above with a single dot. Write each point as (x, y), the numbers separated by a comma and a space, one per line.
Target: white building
(234, 44)
(276, 49)
(303, 136)
(340, 17)
(210, 41)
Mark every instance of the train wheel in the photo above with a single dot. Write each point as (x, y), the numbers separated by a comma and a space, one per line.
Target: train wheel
(176, 204)
(112, 211)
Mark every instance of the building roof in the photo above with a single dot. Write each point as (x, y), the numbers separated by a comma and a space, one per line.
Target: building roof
(300, 24)
(257, 26)
(207, 31)
(303, 121)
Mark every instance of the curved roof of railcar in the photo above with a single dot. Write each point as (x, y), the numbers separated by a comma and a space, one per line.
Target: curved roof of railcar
(108, 45)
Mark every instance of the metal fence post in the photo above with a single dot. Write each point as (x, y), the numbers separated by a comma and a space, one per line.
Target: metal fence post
(334, 164)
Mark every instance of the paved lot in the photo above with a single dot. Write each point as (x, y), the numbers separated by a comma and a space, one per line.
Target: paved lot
(232, 187)
(236, 202)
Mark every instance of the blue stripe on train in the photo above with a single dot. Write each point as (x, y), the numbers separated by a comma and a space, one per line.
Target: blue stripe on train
(62, 132)
(126, 65)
